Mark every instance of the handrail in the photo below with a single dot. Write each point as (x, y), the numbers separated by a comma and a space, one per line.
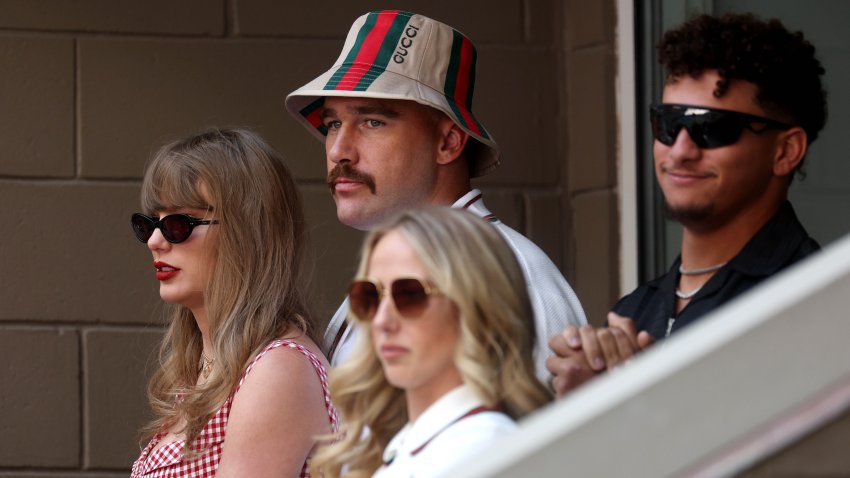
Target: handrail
(720, 395)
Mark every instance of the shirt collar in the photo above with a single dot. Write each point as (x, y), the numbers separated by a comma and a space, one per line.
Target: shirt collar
(468, 199)
(773, 245)
(433, 420)
(764, 254)
(474, 203)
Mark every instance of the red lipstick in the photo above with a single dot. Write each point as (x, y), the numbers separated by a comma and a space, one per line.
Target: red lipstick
(165, 271)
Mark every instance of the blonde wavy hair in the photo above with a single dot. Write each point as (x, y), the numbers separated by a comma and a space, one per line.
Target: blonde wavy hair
(472, 265)
(257, 287)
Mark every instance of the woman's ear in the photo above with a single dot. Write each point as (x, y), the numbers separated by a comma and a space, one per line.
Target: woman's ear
(791, 149)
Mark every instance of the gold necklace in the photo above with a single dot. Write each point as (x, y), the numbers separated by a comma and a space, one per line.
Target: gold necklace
(205, 366)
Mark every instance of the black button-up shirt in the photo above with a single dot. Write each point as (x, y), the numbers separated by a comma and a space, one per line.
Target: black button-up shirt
(780, 243)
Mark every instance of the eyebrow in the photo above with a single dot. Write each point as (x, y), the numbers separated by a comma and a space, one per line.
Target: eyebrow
(365, 110)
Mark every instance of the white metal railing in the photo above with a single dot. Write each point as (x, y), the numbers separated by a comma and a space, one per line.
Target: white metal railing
(720, 395)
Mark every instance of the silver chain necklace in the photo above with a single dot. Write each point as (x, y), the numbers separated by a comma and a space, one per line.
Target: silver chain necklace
(696, 272)
(687, 295)
(704, 270)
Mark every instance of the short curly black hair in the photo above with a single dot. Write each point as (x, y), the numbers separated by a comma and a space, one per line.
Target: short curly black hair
(780, 63)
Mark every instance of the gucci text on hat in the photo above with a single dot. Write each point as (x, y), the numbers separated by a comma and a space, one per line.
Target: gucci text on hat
(399, 55)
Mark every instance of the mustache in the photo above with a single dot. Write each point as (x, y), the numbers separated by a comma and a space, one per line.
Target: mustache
(345, 170)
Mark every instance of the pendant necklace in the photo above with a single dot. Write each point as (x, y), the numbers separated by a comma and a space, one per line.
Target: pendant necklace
(205, 366)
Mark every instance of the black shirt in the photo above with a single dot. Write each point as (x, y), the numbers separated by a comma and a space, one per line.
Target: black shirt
(780, 243)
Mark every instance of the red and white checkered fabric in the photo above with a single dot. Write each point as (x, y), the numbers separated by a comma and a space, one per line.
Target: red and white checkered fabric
(168, 462)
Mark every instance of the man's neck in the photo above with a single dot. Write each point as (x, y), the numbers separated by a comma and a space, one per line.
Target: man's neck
(706, 247)
(448, 190)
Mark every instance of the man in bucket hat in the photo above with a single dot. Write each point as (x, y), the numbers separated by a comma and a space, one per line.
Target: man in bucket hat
(395, 114)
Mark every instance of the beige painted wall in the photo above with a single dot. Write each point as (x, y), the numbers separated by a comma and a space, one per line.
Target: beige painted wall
(89, 88)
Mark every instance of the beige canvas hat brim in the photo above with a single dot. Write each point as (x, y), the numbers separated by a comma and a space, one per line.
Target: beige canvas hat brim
(403, 56)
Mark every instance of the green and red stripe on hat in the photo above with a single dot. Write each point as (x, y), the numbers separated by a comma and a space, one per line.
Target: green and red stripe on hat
(393, 54)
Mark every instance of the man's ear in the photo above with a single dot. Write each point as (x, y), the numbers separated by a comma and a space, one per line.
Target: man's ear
(452, 140)
(791, 149)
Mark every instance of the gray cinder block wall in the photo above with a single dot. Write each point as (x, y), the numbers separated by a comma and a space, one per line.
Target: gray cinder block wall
(89, 89)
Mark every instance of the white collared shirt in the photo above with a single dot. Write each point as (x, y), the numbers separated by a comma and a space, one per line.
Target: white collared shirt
(554, 302)
(442, 437)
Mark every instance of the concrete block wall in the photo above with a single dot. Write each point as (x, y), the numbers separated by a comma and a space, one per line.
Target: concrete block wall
(590, 169)
(91, 88)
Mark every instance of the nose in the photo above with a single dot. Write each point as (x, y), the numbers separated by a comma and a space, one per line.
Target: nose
(157, 242)
(684, 148)
(386, 317)
(340, 145)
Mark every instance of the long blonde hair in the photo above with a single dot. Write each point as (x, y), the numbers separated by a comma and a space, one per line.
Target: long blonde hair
(472, 265)
(257, 288)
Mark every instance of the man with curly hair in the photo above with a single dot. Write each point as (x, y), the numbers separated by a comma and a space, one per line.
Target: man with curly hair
(742, 102)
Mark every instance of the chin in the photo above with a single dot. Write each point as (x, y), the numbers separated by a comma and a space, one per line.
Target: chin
(167, 296)
(171, 299)
(356, 221)
(396, 381)
(178, 298)
(686, 213)
(359, 225)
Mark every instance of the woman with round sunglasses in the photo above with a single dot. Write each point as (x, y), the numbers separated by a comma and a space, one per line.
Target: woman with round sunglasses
(444, 365)
(241, 388)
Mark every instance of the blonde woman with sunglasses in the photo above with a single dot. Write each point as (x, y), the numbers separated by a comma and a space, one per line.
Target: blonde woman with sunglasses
(241, 388)
(444, 365)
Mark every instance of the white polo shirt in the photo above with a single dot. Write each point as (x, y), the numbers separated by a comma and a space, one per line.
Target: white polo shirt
(449, 432)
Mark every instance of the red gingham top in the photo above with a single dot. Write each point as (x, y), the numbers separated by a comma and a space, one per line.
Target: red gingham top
(167, 461)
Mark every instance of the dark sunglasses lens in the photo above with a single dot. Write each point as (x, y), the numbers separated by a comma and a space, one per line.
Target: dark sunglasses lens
(710, 130)
(665, 127)
(363, 298)
(410, 297)
(716, 130)
(142, 226)
(175, 228)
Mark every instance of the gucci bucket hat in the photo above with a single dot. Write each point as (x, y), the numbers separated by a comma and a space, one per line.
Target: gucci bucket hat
(392, 54)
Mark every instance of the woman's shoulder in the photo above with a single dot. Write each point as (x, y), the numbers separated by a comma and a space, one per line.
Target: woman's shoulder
(289, 373)
(279, 406)
(288, 357)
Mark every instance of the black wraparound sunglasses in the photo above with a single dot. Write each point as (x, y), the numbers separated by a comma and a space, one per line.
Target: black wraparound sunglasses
(409, 295)
(175, 228)
(707, 127)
